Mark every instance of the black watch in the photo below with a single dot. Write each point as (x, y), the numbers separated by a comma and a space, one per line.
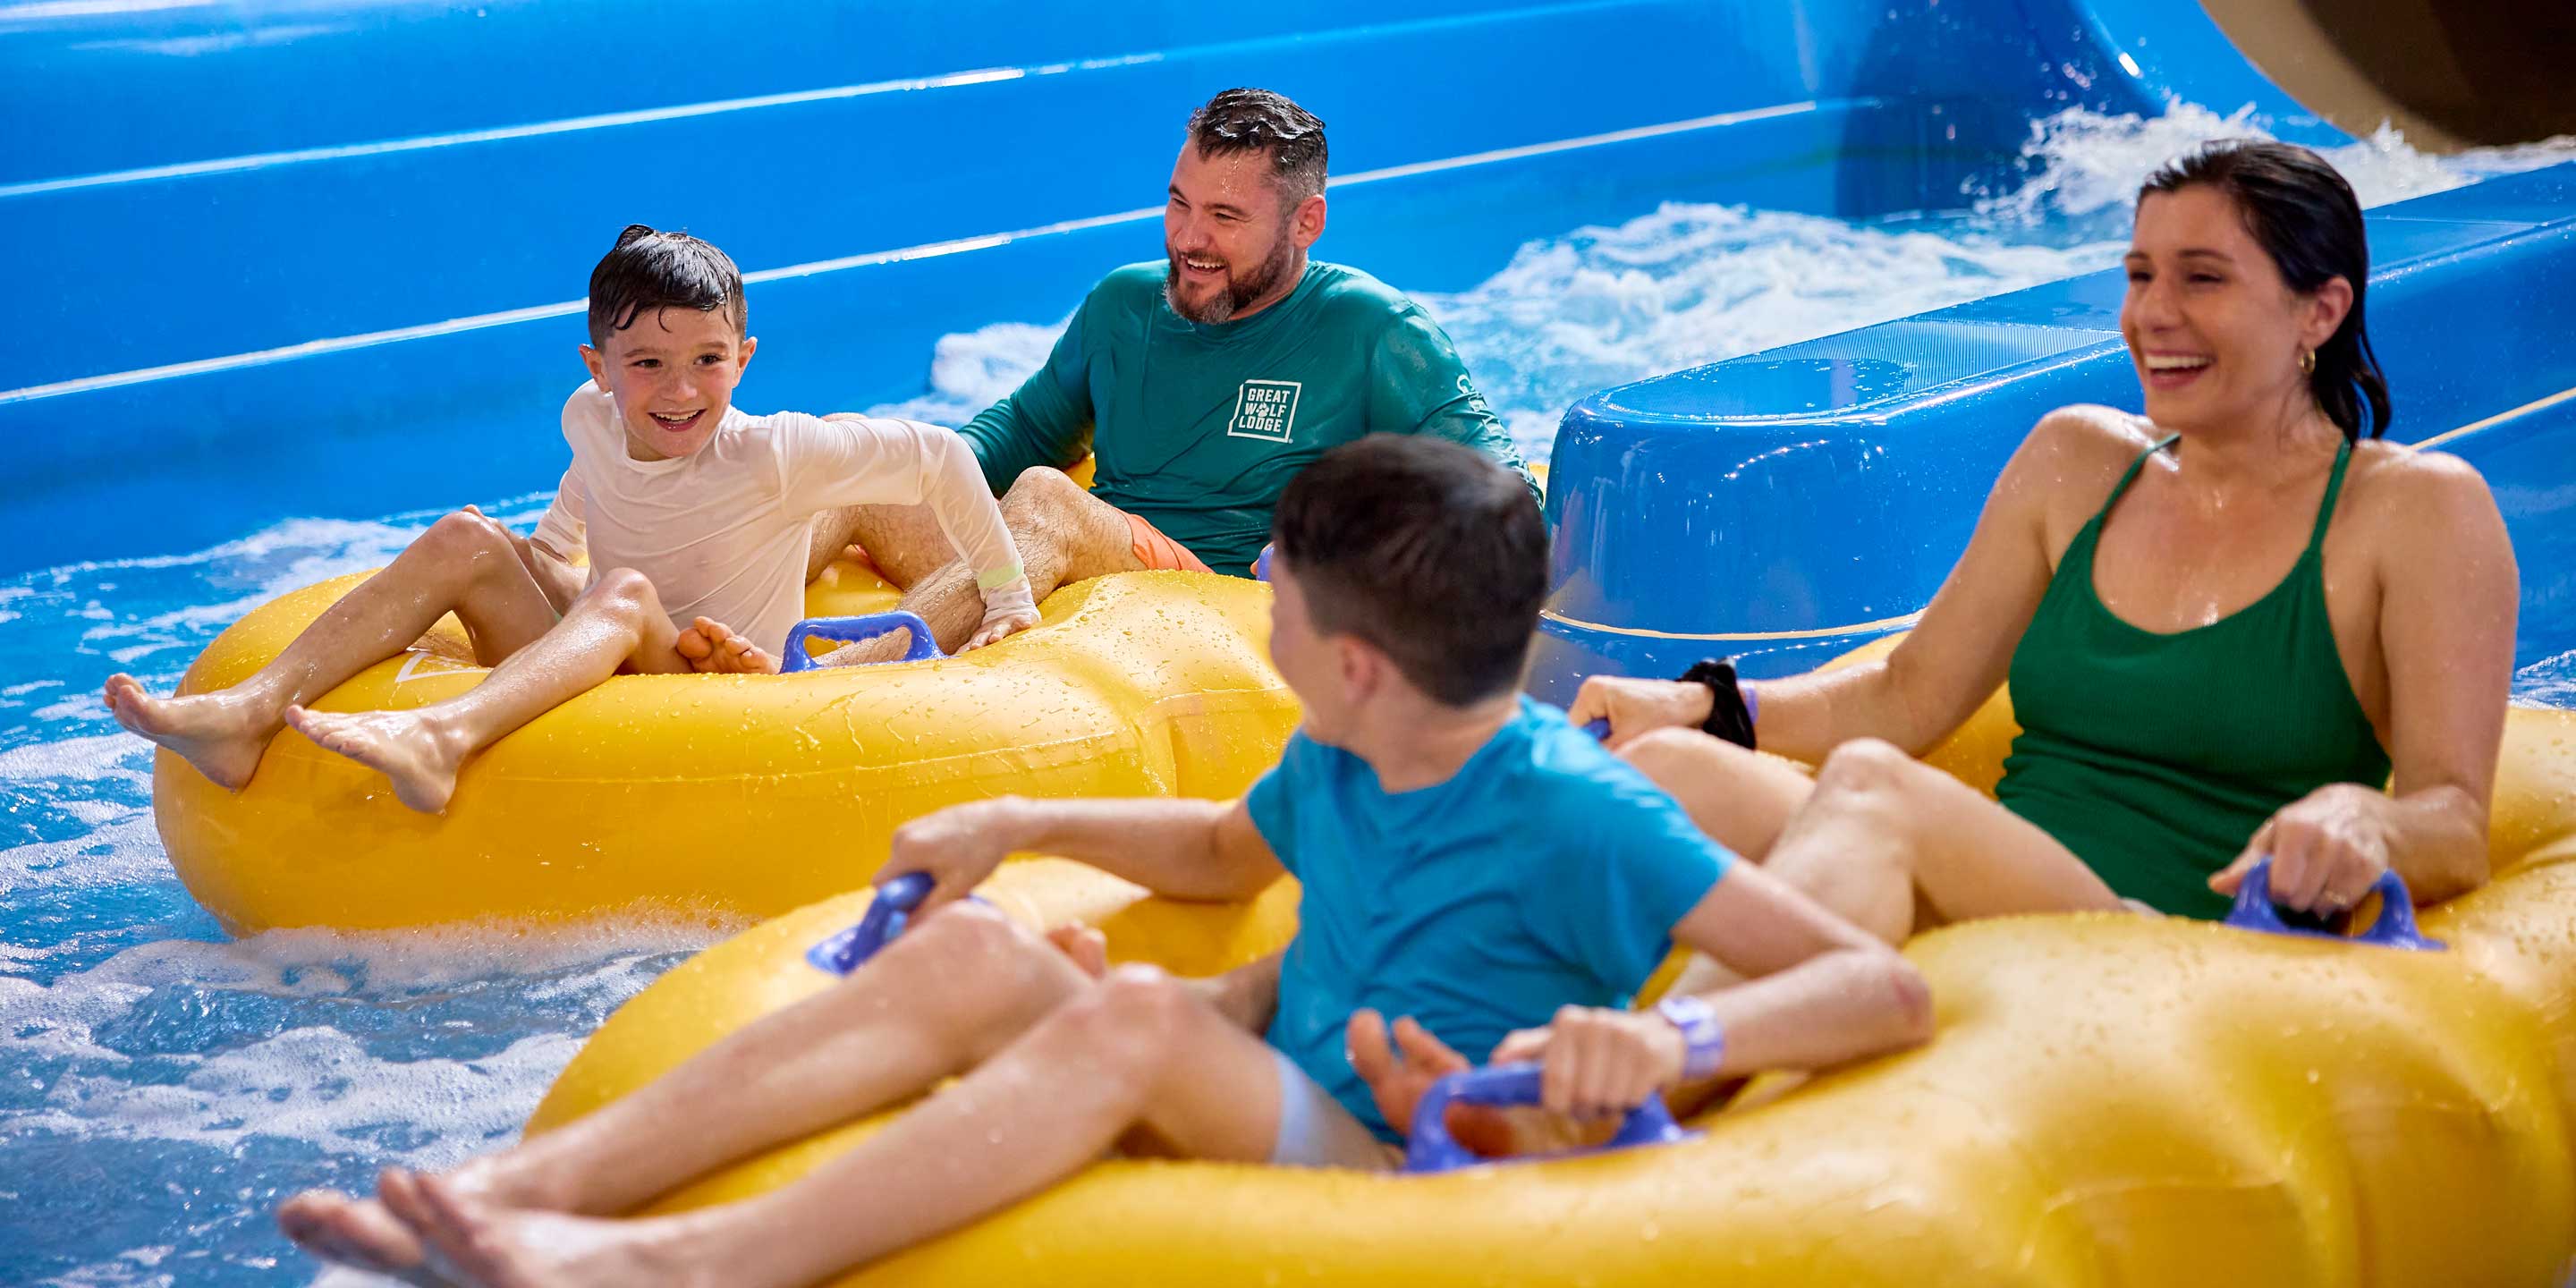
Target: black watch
(1728, 717)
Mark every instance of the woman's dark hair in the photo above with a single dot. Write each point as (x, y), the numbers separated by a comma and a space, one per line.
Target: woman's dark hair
(648, 271)
(1427, 550)
(2305, 217)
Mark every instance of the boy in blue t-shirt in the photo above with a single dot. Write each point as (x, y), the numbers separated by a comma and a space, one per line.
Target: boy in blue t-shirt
(1468, 860)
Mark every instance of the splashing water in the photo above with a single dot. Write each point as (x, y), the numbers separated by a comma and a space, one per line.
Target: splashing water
(196, 1082)
(2079, 165)
(1692, 284)
(2549, 682)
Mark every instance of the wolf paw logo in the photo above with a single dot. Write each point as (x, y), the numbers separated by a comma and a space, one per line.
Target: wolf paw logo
(1265, 409)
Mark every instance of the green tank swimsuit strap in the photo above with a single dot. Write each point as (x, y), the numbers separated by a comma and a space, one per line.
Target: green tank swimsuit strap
(2326, 508)
(2126, 478)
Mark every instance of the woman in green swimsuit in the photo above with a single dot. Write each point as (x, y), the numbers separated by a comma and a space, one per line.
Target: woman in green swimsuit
(2224, 623)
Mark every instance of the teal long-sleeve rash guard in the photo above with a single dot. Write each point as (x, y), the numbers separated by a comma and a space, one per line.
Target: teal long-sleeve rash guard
(1197, 428)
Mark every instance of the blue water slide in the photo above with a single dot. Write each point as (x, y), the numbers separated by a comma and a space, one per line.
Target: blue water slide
(325, 257)
(1788, 505)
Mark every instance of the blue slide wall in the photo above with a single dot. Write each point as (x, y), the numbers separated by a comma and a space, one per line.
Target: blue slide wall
(325, 257)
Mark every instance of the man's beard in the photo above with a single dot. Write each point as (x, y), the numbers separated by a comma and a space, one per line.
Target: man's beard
(1238, 292)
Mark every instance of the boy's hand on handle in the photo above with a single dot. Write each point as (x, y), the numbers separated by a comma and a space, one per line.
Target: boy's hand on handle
(1594, 1062)
(959, 847)
(1635, 707)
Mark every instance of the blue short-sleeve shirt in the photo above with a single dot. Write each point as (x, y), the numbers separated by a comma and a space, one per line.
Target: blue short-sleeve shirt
(1546, 872)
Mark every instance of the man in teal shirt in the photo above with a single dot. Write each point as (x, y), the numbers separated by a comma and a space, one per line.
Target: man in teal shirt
(1200, 384)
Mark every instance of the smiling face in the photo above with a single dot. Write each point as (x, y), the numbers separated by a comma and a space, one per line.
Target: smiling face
(2214, 332)
(1235, 246)
(672, 373)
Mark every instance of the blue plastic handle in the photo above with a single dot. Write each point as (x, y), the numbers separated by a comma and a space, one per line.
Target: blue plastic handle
(2395, 928)
(1599, 729)
(1434, 1150)
(1261, 566)
(850, 630)
(895, 902)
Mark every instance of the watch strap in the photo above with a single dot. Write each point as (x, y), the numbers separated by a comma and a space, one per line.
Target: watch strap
(1730, 708)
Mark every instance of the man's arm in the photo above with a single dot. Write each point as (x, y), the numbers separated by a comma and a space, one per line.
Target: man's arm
(1046, 421)
(830, 462)
(1183, 849)
(1418, 385)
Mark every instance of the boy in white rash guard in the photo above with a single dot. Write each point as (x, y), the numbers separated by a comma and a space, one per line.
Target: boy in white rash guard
(682, 500)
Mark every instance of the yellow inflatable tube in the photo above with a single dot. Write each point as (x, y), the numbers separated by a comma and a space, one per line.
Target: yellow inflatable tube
(730, 795)
(2112, 1100)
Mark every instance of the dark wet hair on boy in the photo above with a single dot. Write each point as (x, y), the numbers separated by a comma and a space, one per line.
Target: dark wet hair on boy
(2306, 218)
(650, 270)
(1257, 120)
(1427, 550)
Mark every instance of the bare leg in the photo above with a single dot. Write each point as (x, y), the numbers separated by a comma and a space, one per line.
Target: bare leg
(903, 541)
(1896, 846)
(945, 996)
(941, 999)
(464, 564)
(1741, 798)
(833, 532)
(1142, 1056)
(1889, 843)
(617, 623)
(1064, 534)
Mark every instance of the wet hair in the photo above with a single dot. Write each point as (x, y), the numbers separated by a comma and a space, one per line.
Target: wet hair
(649, 270)
(1257, 120)
(1425, 549)
(2305, 217)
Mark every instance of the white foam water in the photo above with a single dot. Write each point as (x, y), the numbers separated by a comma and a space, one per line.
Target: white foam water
(2079, 163)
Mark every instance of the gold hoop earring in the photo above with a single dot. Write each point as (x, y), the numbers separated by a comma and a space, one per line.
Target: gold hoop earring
(2307, 362)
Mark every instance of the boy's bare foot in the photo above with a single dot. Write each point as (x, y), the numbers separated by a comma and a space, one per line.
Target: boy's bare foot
(713, 648)
(1400, 1074)
(357, 1233)
(365, 1235)
(221, 735)
(479, 1243)
(402, 746)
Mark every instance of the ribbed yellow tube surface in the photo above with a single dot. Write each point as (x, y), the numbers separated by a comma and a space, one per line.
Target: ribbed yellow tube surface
(731, 794)
(2112, 1100)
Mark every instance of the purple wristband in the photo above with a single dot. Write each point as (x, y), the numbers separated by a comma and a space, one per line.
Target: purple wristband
(1703, 1042)
(1752, 702)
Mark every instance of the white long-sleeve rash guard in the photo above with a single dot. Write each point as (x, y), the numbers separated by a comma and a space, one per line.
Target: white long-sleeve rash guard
(724, 532)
